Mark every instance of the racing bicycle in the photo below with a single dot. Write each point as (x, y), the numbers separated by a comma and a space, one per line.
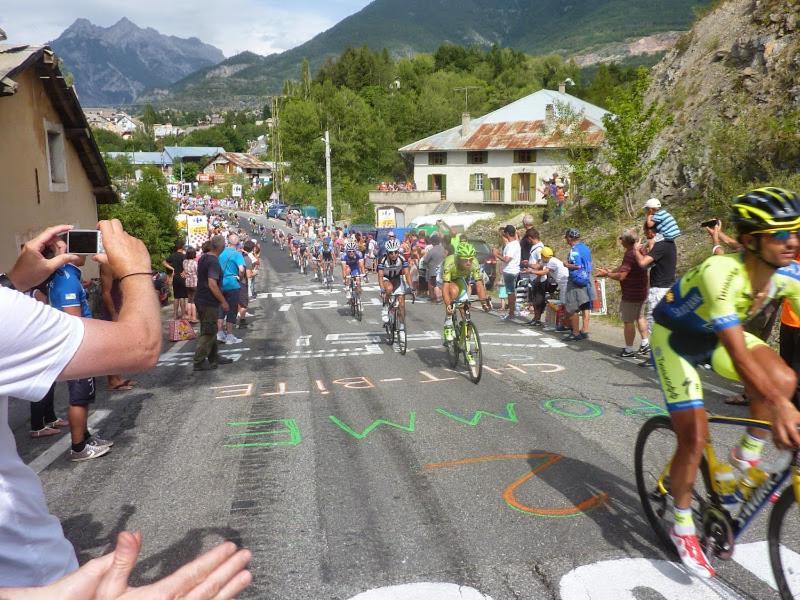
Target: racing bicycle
(466, 340)
(396, 325)
(724, 514)
(327, 274)
(356, 307)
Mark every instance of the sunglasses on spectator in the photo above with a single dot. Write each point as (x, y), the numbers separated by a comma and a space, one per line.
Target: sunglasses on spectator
(780, 235)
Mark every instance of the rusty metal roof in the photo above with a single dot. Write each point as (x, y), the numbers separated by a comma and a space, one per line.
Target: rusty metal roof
(521, 125)
(242, 160)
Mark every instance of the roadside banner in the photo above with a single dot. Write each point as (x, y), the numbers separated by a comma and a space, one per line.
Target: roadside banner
(173, 189)
(181, 220)
(197, 230)
(236, 190)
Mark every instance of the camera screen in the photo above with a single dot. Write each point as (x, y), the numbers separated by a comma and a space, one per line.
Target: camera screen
(82, 242)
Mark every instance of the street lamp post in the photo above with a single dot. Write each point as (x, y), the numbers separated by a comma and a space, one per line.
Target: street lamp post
(329, 194)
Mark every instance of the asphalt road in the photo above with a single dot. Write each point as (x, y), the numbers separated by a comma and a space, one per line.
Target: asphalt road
(352, 471)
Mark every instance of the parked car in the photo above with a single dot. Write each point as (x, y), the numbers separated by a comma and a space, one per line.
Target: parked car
(281, 215)
(486, 259)
(274, 210)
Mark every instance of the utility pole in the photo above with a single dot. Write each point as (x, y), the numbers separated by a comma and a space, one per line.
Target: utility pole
(466, 90)
(329, 194)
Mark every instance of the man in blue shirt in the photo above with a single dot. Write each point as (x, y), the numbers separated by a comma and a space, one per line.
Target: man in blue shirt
(66, 294)
(232, 263)
(579, 294)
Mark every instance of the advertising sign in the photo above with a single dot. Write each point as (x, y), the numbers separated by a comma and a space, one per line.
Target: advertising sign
(173, 188)
(386, 218)
(236, 190)
(197, 234)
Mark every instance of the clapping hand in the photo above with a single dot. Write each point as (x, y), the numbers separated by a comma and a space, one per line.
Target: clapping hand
(220, 574)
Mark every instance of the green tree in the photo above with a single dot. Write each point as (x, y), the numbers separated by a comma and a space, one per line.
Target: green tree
(631, 127)
(149, 116)
(151, 196)
(140, 224)
(300, 134)
(108, 141)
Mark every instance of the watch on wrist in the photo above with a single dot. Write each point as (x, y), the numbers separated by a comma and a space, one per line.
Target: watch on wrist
(5, 281)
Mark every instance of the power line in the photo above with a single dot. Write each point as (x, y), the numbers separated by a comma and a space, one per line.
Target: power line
(466, 90)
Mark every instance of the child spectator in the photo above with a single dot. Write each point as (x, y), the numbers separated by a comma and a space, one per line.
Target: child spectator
(663, 222)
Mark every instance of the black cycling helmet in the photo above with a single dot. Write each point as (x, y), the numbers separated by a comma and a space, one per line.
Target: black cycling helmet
(766, 209)
(572, 234)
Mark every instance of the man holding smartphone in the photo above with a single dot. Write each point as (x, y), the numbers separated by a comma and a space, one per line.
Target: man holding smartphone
(66, 294)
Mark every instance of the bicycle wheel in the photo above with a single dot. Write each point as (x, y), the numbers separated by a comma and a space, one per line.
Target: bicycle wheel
(353, 303)
(454, 345)
(389, 327)
(402, 341)
(783, 538)
(473, 357)
(655, 446)
(358, 307)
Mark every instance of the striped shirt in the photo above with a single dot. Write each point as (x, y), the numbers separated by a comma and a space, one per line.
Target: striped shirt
(666, 225)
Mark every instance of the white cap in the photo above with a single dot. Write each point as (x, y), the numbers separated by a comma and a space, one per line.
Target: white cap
(653, 203)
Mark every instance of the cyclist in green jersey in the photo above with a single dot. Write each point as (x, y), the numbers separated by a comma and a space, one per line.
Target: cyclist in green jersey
(458, 269)
(702, 320)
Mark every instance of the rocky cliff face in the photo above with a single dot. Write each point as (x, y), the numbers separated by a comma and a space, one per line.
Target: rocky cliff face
(737, 68)
(112, 65)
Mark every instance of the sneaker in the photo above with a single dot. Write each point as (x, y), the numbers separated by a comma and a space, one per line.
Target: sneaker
(232, 339)
(89, 452)
(643, 350)
(45, 432)
(221, 337)
(247, 314)
(583, 335)
(561, 328)
(535, 323)
(203, 366)
(691, 554)
(506, 317)
(96, 441)
(222, 360)
(625, 353)
(742, 464)
(572, 338)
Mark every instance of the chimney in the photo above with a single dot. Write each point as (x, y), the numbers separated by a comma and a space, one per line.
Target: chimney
(562, 87)
(549, 116)
(465, 122)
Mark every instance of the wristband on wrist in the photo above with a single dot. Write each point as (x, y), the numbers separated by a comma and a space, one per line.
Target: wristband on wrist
(714, 249)
(148, 273)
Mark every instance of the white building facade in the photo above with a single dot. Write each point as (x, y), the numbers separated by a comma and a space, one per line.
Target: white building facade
(504, 157)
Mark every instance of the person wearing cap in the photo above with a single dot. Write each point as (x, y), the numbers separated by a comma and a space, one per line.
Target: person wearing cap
(664, 223)
(511, 257)
(578, 295)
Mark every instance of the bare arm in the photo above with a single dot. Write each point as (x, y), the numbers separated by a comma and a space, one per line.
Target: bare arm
(133, 343)
(213, 287)
(106, 282)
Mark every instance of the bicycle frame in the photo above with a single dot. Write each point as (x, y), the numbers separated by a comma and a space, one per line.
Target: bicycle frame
(761, 496)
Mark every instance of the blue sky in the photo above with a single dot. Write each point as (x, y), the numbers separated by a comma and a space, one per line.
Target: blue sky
(262, 26)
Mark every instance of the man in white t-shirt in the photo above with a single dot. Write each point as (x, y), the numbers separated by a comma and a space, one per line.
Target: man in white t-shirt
(511, 257)
(40, 345)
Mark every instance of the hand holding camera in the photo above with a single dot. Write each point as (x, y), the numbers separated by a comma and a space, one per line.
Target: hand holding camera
(37, 262)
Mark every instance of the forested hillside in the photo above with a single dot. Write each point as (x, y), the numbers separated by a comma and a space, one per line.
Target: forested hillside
(406, 27)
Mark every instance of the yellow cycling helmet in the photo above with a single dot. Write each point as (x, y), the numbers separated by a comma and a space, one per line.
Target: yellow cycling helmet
(766, 209)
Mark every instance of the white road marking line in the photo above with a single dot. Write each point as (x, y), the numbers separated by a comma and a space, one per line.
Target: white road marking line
(169, 355)
(285, 308)
(390, 380)
(303, 340)
(46, 458)
(176, 348)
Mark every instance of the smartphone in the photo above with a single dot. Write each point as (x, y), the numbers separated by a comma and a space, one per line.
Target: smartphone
(84, 241)
(710, 223)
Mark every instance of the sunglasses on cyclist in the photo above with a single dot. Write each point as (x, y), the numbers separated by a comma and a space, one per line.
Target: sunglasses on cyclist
(781, 235)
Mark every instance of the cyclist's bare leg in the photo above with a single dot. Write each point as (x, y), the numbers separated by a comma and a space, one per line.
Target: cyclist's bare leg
(691, 429)
(402, 308)
(449, 293)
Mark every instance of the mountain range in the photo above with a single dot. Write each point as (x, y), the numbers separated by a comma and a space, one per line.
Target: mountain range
(402, 26)
(114, 65)
(409, 26)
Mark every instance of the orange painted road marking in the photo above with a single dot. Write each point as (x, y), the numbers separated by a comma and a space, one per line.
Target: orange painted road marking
(509, 493)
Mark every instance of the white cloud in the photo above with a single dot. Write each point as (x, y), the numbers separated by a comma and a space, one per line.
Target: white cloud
(261, 26)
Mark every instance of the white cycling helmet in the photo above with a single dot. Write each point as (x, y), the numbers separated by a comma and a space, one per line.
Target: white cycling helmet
(392, 246)
(350, 246)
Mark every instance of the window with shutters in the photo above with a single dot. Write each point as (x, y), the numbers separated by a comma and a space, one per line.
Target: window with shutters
(437, 158)
(524, 156)
(476, 182)
(477, 158)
